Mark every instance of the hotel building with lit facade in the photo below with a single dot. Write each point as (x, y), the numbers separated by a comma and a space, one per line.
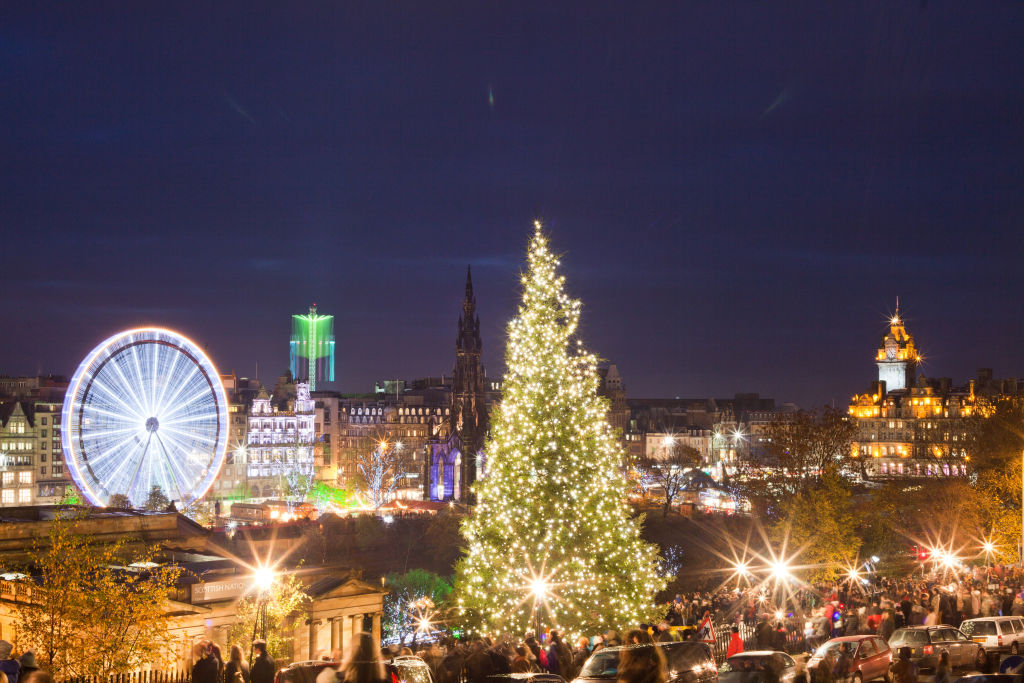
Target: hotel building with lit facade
(909, 425)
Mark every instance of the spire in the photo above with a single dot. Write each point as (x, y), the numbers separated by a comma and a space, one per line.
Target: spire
(469, 284)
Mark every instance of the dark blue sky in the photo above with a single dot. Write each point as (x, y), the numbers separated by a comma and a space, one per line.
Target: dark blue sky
(741, 188)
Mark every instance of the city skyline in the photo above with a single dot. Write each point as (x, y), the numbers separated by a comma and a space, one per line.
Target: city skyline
(733, 220)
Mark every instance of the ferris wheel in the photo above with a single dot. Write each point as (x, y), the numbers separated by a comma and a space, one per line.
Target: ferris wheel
(145, 408)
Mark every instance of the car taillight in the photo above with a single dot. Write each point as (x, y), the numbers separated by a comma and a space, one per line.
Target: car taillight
(927, 650)
(999, 639)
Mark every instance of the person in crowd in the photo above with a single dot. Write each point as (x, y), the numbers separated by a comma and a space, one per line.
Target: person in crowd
(559, 657)
(580, 655)
(453, 664)
(641, 665)
(537, 652)
(28, 662)
(364, 664)
(263, 666)
(236, 665)
(763, 635)
(36, 676)
(8, 665)
(942, 670)
(479, 664)
(844, 665)
(903, 670)
(825, 671)
(215, 653)
(204, 665)
(735, 643)
(521, 663)
(638, 637)
(887, 625)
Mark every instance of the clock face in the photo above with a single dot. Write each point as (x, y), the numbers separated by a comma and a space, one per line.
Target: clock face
(891, 348)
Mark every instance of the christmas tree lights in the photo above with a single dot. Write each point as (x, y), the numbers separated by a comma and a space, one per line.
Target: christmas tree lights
(552, 542)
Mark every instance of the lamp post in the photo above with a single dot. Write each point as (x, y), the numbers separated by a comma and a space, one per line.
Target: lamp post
(262, 581)
(539, 589)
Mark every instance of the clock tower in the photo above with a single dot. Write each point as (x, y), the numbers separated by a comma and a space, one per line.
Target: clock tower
(897, 357)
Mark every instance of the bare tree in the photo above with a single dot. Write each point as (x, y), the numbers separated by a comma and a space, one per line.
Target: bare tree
(378, 475)
(805, 445)
(671, 472)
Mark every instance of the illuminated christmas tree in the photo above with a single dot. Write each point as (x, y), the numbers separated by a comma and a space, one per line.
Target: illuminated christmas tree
(552, 542)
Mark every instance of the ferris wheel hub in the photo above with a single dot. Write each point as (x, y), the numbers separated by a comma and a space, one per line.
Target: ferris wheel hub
(152, 424)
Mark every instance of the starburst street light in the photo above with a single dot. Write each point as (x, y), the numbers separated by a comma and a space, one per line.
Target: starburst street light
(779, 570)
(539, 588)
(263, 578)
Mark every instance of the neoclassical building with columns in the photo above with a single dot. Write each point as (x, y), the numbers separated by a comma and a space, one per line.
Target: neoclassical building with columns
(204, 603)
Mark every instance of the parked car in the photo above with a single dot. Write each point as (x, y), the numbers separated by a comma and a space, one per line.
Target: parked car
(871, 656)
(996, 634)
(926, 643)
(530, 677)
(685, 662)
(737, 669)
(405, 669)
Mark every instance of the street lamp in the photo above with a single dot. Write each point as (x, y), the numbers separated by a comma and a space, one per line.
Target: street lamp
(262, 580)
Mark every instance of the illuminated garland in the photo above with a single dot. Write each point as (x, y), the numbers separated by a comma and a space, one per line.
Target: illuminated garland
(552, 542)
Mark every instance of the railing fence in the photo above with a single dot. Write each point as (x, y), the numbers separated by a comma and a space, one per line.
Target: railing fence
(135, 677)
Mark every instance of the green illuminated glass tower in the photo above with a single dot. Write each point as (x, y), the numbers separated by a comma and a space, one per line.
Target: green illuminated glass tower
(312, 348)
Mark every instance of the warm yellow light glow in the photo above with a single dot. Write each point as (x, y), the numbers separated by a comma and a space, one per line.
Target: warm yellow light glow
(263, 578)
(539, 588)
(779, 570)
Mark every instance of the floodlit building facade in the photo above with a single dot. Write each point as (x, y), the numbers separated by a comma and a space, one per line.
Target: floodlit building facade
(911, 426)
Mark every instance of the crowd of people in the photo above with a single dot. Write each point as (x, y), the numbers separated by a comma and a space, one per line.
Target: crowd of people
(21, 669)
(209, 666)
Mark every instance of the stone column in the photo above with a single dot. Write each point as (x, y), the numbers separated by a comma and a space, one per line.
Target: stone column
(376, 628)
(336, 632)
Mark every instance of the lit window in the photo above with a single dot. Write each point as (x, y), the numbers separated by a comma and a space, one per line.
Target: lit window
(7, 496)
(8, 478)
(24, 477)
(24, 495)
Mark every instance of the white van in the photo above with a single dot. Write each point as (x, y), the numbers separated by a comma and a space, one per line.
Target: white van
(996, 634)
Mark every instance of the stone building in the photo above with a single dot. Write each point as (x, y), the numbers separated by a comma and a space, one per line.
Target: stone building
(342, 603)
(32, 468)
(909, 425)
(279, 448)
(455, 456)
(726, 431)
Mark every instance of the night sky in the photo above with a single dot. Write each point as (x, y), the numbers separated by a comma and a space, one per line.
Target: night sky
(741, 189)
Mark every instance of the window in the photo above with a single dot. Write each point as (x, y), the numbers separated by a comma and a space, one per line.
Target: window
(24, 495)
(43, 434)
(42, 471)
(7, 497)
(8, 479)
(24, 477)
(43, 422)
(58, 469)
